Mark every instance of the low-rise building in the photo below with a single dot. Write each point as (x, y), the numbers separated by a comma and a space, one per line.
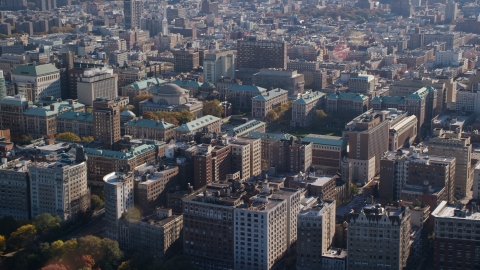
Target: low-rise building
(151, 129)
(322, 187)
(241, 95)
(303, 108)
(246, 128)
(327, 151)
(102, 162)
(265, 102)
(79, 123)
(152, 184)
(171, 98)
(289, 80)
(155, 234)
(141, 87)
(211, 123)
(346, 104)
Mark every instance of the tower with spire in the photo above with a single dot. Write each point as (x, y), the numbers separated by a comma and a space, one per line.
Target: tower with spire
(165, 21)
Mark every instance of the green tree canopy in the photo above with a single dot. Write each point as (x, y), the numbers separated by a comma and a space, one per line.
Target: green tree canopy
(22, 237)
(68, 136)
(353, 190)
(96, 202)
(46, 223)
(213, 107)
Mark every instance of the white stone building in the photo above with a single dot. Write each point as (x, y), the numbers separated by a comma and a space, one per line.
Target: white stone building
(218, 64)
(60, 187)
(36, 81)
(118, 188)
(95, 83)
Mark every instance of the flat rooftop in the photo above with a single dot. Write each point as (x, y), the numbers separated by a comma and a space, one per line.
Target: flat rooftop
(448, 211)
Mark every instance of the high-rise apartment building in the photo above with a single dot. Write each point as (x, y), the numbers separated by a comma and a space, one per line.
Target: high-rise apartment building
(255, 154)
(185, 60)
(11, 113)
(259, 54)
(453, 144)
(290, 155)
(208, 226)
(97, 83)
(240, 157)
(379, 237)
(119, 199)
(202, 166)
(3, 88)
(315, 231)
(367, 137)
(37, 81)
(451, 10)
(218, 64)
(457, 236)
(60, 187)
(106, 121)
(361, 83)
(261, 229)
(412, 176)
(14, 195)
(402, 7)
(132, 12)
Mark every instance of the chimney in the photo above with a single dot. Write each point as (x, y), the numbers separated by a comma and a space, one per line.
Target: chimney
(52, 107)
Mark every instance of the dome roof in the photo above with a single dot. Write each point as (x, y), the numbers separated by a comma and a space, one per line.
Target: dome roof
(128, 113)
(171, 89)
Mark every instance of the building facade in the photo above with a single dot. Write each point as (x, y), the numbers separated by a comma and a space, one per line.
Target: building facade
(264, 103)
(303, 108)
(14, 198)
(37, 81)
(60, 187)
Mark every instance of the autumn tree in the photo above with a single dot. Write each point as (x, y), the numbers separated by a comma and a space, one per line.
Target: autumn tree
(271, 117)
(181, 117)
(3, 244)
(213, 107)
(136, 101)
(87, 139)
(149, 115)
(68, 136)
(319, 119)
(22, 237)
(85, 261)
(55, 266)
